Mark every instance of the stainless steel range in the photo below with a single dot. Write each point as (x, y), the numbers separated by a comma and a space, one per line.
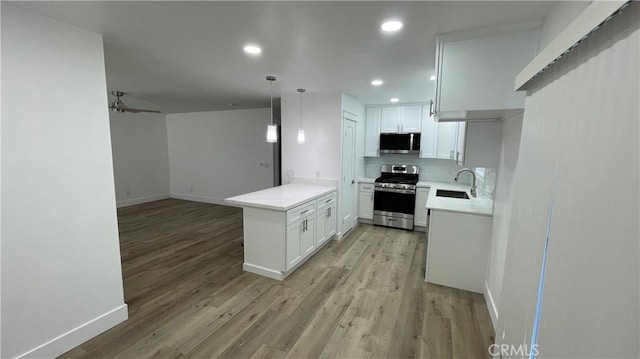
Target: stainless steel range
(394, 196)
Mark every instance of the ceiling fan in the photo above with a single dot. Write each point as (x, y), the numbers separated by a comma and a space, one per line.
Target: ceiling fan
(119, 106)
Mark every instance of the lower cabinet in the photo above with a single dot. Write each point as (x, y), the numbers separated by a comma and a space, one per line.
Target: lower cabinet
(326, 223)
(365, 201)
(294, 238)
(420, 216)
(276, 242)
(314, 224)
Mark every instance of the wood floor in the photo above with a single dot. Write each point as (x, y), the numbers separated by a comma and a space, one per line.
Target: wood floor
(362, 297)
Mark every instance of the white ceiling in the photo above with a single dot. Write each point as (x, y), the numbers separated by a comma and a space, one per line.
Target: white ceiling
(187, 56)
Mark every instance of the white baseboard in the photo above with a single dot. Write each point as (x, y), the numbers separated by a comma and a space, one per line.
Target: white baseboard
(188, 197)
(491, 305)
(269, 273)
(78, 335)
(140, 200)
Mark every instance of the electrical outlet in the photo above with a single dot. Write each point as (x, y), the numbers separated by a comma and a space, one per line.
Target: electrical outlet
(191, 189)
(291, 173)
(317, 173)
(128, 193)
(266, 165)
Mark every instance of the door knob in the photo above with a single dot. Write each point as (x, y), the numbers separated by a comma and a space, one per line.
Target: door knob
(353, 181)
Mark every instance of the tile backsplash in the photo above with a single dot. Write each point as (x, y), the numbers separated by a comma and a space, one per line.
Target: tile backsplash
(430, 169)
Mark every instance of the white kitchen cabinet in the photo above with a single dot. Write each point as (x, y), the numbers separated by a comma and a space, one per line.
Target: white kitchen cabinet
(308, 237)
(401, 119)
(410, 119)
(293, 249)
(447, 137)
(476, 74)
(365, 201)
(284, 226)
(429, 135)
(390, 120)
(460, 143)
(326, 223)
(372, 132)
(420, 216)
(451, 137)
(457, 249)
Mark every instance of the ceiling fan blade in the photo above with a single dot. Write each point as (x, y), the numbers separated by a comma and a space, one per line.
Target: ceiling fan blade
(137, 110)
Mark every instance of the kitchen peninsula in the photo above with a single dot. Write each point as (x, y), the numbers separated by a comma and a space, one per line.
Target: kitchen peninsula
(284, 226)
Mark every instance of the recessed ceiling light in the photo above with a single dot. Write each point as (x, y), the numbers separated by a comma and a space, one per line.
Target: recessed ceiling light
(432, 78)
(377, 82)
(391, 26)
(395, 99)
(252, 49)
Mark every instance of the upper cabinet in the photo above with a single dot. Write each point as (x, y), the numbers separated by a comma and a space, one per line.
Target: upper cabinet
(401, 119)
(475, 76)
(372, 132)
(429, 135)
(451, 141)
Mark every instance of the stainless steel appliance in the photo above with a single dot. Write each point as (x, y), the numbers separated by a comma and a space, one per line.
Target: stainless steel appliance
(394, 196)
(400, 142)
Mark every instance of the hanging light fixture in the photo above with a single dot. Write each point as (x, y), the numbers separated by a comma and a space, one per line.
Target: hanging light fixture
(300, 130)
(272, 130)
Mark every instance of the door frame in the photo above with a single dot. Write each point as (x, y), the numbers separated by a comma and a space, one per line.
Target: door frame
(342, 227)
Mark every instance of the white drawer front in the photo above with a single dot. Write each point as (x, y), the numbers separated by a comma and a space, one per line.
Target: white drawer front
(301, 211)
(326, 200)
(366, 187)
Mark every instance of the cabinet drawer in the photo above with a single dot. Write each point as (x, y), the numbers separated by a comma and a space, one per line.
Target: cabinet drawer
(301, 211)
(366, 187)
(326, 200)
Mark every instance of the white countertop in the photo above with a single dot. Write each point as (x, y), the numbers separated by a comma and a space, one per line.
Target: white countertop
(280, 198)
(480, 206)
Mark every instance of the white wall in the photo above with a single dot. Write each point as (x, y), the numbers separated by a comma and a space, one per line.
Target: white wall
(579, 148)
(219, 154)
(140, 154)
(60, 251)
(511, 131)
(319, 156)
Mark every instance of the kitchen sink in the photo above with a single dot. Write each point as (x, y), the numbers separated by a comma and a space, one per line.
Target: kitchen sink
(452, 194)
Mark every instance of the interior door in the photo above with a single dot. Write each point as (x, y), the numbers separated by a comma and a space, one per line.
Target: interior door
(347, 203)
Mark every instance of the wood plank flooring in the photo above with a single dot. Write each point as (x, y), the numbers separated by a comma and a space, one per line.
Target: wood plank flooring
(362, 297)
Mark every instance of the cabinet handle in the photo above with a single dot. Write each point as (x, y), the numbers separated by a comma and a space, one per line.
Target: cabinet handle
(329, 212)
(431, 108)
(371, 197)
(329, 200)
(457, 156)
(451, 154)
(305, 211)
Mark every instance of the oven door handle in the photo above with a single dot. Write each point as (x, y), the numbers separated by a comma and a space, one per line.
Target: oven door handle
(394, 190)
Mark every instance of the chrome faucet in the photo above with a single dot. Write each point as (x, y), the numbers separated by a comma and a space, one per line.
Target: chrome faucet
(473, 185)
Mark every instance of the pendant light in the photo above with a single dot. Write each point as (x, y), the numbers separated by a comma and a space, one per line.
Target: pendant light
(272, 130)
(300, 130)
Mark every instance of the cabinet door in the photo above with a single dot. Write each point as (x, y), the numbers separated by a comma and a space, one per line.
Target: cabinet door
(478, 73)
(460, 142)
(390, 119)
(294, 235)
(308, 240)
(321, 225)
(410, 120)
(332, 221)
(365, 205)
(429, 135)
(447, 137)
(372, 132)
(420, 218)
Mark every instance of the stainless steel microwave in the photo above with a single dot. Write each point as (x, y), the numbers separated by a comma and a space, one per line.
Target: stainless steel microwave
(400, 142)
